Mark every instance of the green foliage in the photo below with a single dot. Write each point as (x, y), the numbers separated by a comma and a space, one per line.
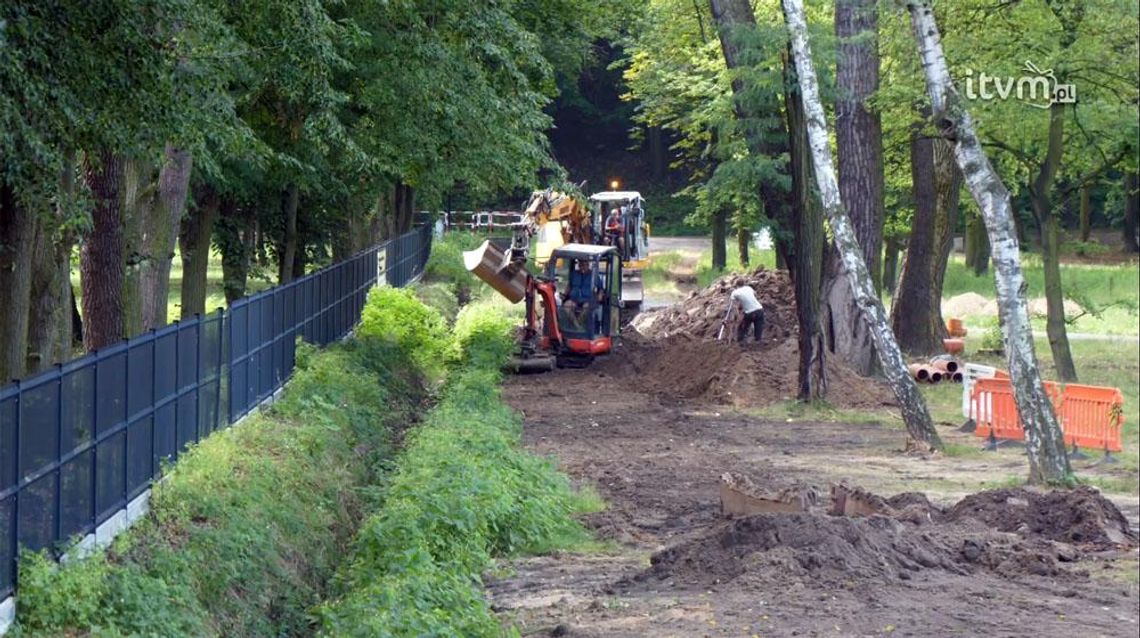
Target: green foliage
(445, 264)
(1091, 248)
(484, 334)
(396, 315)
(440, 297)
(992, 338)
(463, 492)
(249, 526)
(55, 598)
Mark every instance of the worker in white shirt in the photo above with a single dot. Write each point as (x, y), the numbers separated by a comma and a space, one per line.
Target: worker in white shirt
(745, 297)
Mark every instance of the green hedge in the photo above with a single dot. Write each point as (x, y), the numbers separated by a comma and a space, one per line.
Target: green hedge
(248, 528)
(251, 530)
(462, 493)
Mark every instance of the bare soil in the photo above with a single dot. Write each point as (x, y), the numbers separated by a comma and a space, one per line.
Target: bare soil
(654, 442)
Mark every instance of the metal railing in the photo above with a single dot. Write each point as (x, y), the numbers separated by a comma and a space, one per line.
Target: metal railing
(81, 441)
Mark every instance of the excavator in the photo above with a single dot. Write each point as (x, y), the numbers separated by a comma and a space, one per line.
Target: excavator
(574, 306)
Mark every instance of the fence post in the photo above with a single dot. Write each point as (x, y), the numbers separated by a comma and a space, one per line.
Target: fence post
(57, 528)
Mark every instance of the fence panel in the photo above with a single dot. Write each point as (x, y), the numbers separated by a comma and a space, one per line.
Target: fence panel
(82, 440)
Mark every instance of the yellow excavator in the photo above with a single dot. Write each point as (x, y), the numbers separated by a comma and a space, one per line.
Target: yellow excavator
(574, 308)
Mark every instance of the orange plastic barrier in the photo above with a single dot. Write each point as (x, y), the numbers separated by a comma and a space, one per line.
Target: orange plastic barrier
(996, 411)
(1091, 417)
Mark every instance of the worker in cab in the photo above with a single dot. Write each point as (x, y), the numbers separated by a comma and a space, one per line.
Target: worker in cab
(744, 298)
(615, 230)
(582, 286)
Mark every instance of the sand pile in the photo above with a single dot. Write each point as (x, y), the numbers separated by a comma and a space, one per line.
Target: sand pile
(964, 539)
(674, 351)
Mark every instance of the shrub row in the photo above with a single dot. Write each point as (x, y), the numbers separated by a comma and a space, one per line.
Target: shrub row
(463, 491)
(248, 528)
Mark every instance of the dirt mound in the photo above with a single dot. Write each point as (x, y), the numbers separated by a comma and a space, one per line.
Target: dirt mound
(674, 351)
(1008, 532)
(968, 304)
(701, 313)
(1081, 516)
(742, 375)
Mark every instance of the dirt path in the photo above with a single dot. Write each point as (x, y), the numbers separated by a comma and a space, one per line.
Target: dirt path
(656, 462)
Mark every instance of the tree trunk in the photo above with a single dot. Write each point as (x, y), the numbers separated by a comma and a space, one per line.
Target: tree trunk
(1086, 213)
(102, 260)
(859, 146)
(1131, 212)
(289, 252)
(1055, 326)
(734, 21)
(807, 258)
(1045, 444)
(719, 230)
(194, 245)
(160, 232)
(17, 243)
(914, 412)
(859, 129)
(977, 245)
(743, 240)
(138, 194)
(1040, 194)
(50, 327)
(891, 265)
(234, 227)
(948, 190)
(913, 319)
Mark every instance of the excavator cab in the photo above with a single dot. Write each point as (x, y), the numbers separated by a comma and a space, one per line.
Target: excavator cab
(587, 281)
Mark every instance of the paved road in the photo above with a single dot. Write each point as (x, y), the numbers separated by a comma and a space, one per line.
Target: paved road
(671, 244)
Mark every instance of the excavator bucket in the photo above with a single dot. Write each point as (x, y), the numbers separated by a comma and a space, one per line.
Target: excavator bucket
(493, 266)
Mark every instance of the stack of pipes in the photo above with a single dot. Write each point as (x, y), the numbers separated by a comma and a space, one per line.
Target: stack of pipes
(938, 369)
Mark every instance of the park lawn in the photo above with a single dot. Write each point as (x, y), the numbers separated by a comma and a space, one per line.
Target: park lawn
(1103, 363)
(215, 295)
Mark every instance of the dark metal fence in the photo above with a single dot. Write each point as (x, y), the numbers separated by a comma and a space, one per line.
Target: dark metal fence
(79, 442)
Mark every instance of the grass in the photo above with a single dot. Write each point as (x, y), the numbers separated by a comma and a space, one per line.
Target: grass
(1104, 363)
(821, 411)
(462, 493)
(248, 528)
(1113, 291)
(215, 293)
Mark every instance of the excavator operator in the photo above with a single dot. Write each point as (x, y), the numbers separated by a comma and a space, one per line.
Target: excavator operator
(615, 229)
(576, 297)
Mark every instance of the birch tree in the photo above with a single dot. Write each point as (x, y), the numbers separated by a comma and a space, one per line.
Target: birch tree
(1043, 438)
(918, 422)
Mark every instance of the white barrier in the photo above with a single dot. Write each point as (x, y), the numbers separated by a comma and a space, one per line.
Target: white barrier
(971, 372)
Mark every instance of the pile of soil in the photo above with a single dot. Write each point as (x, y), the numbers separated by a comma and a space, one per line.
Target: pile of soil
(675, 352)
(741, 375)
(1080, 516)
(702, 312)
(970, 536)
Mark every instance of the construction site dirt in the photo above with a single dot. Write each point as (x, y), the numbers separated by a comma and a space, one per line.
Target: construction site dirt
(655, 438)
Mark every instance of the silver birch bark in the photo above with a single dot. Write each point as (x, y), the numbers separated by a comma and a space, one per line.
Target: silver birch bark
(918, 422)
(1043, 438)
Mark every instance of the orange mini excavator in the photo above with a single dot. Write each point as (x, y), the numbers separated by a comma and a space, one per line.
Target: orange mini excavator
(573, 307)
